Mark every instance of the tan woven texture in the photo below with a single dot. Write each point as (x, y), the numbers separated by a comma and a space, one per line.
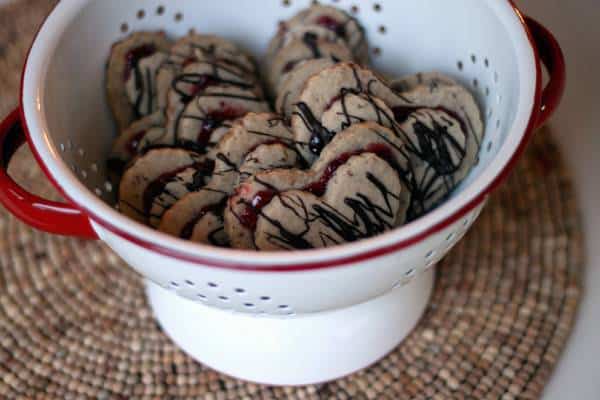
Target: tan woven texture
(74, 322)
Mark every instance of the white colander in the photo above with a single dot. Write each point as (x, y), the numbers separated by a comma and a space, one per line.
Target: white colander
(280, 318)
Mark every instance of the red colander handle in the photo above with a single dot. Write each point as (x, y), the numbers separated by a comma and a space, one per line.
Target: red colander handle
(553, 58)
(42, 214)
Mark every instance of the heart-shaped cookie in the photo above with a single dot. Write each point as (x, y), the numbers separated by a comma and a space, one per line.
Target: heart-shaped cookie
(245, 206)
(130, 74)
(255, 143)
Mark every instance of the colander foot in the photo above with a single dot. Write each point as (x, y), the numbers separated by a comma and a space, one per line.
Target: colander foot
(298, 350)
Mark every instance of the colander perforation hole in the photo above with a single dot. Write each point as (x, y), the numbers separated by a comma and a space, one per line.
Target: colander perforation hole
(487, 91)
(460, 65)
(178, 17)
(108, 187)
(377, 51)
(265, 298)
(249, 305)
(498, 123)
(429, 256)
(240, 291)
(496, 77)
(98, 192)
(94, 167)
(189, 283)
(141, 14)
(124, 27)
(476, 82)
(382, 29)
(473, 58)
(355, 9)
(377, 7)
(224, 299)
(69, 144)
(489, 146)
(286, 3)
(486, 62)
(213, 285)
(160, 10)
(410, 273)
(83, 173)
(62, 147)
(202, 297)
(174, 284)
(451, 237)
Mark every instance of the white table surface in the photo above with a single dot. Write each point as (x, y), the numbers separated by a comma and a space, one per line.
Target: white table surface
(576, 24)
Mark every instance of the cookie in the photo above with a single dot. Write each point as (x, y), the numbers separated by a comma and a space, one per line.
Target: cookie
(208, 50)
(360, 201)
(197, 217)
(255, 143)
(141, 135)
(149, 175)
(321, 91)
(441, 92)
(210, 114)
(344, 25)
(441, 152)
(244, 207)
(285, 37)
(130, 76)
(306, 48)
(353, 108)
(410, 82)
(292, 83)
(195, 78)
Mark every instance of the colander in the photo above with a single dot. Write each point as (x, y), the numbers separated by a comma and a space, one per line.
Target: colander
(291, 317)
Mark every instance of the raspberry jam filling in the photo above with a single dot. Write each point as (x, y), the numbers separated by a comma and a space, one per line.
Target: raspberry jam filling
(157, 186)
(133, 143)
(249, 215)
(188, 229)
(133, 57)
(330, 23)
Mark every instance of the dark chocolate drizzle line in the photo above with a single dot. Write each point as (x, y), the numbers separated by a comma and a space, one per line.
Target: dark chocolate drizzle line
(367, 220)
(311, 40)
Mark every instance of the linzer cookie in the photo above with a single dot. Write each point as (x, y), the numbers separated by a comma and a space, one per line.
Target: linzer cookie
(334, 19)
(207, 117)
(131, 70)
(321, 92)
(142, 134)
(155, 180)
(256, 143)
(207, 49)
(292, 83)
(305, 48)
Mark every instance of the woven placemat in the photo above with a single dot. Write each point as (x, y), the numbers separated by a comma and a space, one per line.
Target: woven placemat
(74, 322)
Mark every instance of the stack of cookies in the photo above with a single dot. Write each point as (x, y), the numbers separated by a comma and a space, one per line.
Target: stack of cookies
(345, 157)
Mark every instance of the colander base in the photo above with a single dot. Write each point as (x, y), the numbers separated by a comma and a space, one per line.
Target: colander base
(294, 350)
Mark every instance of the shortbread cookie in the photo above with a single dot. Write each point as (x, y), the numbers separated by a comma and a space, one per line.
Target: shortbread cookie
(131, 71)
(345, 26)
(321, 92)
(308, 47)
(292, 83)
(152, 175)
(206, 118)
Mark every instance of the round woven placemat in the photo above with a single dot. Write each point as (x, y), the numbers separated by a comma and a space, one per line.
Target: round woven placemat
(74, 322)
